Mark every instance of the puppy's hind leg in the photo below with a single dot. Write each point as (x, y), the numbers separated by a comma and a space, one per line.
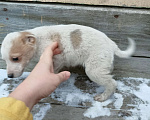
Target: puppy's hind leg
(103, 80)
(101, 75)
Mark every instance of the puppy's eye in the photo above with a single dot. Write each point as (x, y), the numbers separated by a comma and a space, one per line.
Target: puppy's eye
(15, 59)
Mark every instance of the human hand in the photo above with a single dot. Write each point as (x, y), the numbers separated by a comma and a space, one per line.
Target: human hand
(42, 81)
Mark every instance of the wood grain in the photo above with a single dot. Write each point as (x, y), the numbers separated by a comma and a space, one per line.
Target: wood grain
(117, 23)
(125, 3)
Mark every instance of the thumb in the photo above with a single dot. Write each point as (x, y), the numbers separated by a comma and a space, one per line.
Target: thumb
(63, 76)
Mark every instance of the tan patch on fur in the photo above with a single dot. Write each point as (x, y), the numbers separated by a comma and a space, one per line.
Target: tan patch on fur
(76, 38)
(21, 49)
(57, 38)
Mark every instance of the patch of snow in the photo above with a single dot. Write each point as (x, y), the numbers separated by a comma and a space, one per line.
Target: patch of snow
(142, 107)
(68, 93)
(143, 93)
(24, 75)
(118, 100)
(138, 79)
(3, 75)
(123, 88)
(75, 98)
(97, 110)
(100, 89)
(144, 111)
(43, 110)
(3, 87)
(3, 90)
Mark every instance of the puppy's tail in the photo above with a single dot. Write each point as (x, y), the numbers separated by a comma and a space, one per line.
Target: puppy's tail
(128, 52)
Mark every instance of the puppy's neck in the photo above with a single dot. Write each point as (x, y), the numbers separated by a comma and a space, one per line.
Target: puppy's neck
(42, 41)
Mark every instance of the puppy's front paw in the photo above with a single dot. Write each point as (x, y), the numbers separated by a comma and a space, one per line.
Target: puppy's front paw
(100, 98)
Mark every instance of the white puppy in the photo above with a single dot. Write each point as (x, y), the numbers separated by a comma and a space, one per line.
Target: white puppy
(80, 45)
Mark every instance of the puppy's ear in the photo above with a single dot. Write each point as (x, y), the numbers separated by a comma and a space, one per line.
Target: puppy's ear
(29, 39)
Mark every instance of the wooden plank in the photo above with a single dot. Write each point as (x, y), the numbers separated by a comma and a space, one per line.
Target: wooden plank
(117, 23)
(133, 67)
(72, 113)
(125, 3)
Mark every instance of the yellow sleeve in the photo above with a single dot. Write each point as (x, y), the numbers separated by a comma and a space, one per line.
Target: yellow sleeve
(12, 109)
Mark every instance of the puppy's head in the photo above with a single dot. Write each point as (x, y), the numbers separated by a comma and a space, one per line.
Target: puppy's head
(17, 50)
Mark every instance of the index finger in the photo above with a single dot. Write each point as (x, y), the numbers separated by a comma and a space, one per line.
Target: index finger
(49, 50)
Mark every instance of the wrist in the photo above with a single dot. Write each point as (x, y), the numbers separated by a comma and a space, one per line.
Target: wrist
(24, 94)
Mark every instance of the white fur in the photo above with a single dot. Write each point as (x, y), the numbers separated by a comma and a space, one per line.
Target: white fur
(95, 52)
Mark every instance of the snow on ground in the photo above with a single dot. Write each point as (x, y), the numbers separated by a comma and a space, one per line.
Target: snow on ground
(3, 87)
(42, 112)
(137, 89)
(97, 109)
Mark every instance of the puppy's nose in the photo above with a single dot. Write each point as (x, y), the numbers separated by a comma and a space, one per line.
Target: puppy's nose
(11, 75)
